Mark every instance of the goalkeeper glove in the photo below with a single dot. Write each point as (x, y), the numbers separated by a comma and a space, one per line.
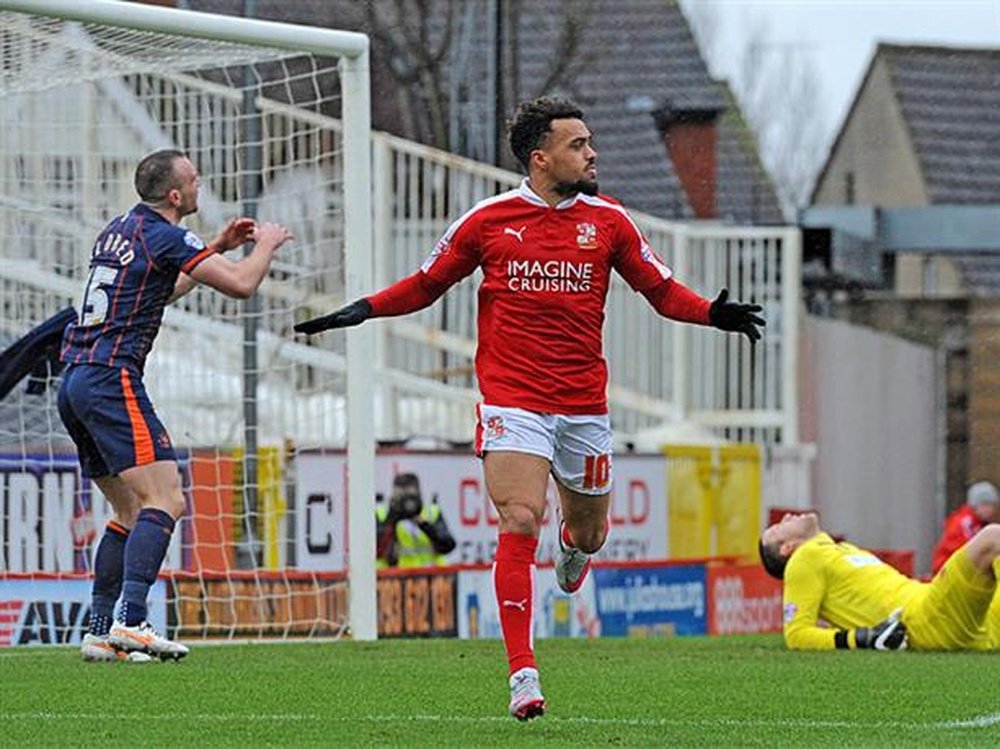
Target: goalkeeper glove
(887, 635)
(354, 313)
(735, 316)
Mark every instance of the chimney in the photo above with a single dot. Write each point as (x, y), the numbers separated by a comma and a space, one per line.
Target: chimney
(690, 134)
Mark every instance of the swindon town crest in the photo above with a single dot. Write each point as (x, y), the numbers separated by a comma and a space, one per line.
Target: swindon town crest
(586, 236)
(495, 427)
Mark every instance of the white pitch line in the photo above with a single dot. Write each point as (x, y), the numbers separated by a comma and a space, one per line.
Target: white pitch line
(981, 721)
(978, 722)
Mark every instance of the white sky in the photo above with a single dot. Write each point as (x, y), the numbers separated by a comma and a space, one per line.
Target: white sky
(840, 36)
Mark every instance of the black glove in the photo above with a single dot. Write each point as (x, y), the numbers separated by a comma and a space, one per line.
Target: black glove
(887, 635)
(354, 313)
(735, 316)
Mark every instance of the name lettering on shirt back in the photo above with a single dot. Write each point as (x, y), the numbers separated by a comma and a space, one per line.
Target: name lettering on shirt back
(114, 246)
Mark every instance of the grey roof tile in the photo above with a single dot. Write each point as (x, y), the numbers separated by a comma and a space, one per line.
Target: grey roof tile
(950, 99)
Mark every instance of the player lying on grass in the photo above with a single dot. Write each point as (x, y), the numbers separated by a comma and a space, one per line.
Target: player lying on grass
(869, 604)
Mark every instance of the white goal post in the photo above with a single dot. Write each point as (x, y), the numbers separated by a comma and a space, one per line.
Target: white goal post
(92, 85)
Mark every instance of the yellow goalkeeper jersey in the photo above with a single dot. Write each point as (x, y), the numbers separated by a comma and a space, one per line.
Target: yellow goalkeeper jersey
(842, 585)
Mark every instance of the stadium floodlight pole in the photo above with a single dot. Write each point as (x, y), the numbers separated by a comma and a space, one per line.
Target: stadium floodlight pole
(353, 48)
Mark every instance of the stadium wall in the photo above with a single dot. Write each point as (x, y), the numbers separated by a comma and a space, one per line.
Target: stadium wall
(873, 405)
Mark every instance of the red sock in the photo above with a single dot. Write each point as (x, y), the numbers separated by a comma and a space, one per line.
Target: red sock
(514, 583)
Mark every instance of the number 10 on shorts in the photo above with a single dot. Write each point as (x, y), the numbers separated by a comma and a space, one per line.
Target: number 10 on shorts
(596, 471)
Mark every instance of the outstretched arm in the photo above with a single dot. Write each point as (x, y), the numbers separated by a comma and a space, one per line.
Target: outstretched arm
(889, 634)
(676, 301)
(803, 595)
(412, 293)
(241, 279)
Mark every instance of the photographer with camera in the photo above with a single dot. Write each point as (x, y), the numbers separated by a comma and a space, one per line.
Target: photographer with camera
(410, 533)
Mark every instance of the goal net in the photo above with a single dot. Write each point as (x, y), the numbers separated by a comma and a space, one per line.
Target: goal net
(276, 119)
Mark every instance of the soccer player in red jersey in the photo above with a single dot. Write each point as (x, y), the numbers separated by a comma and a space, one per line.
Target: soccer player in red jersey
(141, 261)
(546, 250)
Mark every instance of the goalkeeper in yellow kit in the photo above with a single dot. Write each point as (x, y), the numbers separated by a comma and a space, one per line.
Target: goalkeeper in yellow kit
(869, 604)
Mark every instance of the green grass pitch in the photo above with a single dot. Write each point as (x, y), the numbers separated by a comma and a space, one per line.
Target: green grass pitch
(682, 692)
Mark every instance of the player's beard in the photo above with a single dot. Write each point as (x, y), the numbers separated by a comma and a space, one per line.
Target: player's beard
(586, 186)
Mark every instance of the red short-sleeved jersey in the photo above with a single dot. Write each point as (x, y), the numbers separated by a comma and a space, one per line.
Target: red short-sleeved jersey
(546, 272)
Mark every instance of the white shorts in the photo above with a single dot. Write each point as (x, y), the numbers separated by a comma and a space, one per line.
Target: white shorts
(578, 447)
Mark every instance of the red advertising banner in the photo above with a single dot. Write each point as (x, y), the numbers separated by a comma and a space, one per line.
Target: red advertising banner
(742, 599)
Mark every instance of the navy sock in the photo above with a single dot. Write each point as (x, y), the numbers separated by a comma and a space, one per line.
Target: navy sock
(144, 552)
(109, 564)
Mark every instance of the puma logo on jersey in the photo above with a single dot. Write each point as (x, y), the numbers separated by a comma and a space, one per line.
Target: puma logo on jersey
(519, 605)
(515, 232)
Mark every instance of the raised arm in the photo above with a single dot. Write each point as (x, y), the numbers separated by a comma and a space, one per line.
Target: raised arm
(234, 234)
(240, 279)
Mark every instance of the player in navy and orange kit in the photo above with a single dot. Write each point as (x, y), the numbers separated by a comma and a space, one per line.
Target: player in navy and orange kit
(867, 603)
(141, 262)
(546, 250)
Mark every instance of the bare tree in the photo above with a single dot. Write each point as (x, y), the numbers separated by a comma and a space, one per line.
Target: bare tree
(425, 39)
(778, 88)
(417, 41)
(702, 18)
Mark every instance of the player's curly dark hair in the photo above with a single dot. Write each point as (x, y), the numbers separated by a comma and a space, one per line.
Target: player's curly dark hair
(772, 559)
(154, 176)
(532, 123)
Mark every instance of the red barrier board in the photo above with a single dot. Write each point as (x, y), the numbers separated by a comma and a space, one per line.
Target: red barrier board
(742, 599)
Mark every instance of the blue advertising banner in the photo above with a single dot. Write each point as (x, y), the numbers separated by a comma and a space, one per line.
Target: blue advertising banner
(651, 601)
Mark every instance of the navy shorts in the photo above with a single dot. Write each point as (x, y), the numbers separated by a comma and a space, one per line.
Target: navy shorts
(110, 418)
